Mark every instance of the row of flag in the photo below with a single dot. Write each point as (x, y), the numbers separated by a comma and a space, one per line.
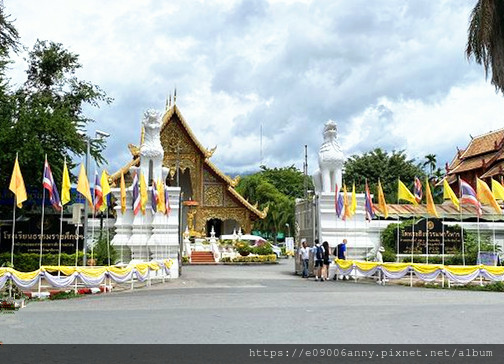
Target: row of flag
(98, 201)
(483, 194)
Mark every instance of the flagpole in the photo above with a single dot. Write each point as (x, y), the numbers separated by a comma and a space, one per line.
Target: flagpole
(108, 235)
(461, 226)
(427, 239)
(493, 233)
(60, 233)
(61, 228)
(12, 245)
(398, 222)
(77, 250)
(442, 248)
(41, 237)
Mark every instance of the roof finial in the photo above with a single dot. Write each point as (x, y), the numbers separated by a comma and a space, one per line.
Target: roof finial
(167, 104)
(175, 96)
(169, 98)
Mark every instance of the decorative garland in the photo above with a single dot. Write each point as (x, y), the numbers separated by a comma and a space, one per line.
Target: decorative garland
(425, 272)
(90, 276)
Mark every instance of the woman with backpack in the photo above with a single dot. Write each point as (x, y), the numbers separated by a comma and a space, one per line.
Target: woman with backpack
(325, 261)
(318, 251)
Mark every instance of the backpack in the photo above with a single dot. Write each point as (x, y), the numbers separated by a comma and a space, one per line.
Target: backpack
(320, 253)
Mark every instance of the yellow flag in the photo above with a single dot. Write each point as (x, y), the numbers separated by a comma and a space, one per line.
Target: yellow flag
(448, 194)
(143, 193)
(431, 207)
(83, 185)
(65, 186)
(382, 204)
(353, 206)
(404, 194)
(497, 190)
(346, 206)
(105, 189)
(485, 195)
(17, 185)
(161, 199)
(123, 193)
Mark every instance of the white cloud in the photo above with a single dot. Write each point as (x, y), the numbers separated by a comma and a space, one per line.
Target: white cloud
(380, 69)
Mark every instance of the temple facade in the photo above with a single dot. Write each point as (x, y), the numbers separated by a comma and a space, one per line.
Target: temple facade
(209, 199)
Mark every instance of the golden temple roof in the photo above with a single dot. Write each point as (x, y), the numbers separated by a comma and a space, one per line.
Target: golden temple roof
(207, 153)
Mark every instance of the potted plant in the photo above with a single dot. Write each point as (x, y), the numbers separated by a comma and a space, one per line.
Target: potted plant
(243, 248)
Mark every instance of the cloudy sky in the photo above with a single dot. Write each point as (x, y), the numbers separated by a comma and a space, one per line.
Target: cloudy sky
(392, 73)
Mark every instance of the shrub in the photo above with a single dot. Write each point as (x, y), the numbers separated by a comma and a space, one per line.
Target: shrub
(255, 259)
(262, 248)
(243, 248)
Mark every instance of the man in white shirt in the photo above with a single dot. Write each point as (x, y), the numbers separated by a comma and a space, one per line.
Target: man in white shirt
(304, 255)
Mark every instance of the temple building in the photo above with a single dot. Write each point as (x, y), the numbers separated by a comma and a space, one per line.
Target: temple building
(209, 198)
(483, 158)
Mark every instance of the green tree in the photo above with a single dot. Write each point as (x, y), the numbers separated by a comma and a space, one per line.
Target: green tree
(485, 41)
(379, 164)
(45, 115)
(277, 189)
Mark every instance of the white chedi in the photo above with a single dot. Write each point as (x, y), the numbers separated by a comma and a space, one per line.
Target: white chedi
(330, 159)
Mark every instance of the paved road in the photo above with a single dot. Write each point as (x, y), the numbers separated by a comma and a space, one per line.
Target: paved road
(261, 304)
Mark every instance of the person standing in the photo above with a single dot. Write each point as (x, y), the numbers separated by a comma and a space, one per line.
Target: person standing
(304, 256)
(326, 261)
(318, 251)
(379, 259)
(341, 253)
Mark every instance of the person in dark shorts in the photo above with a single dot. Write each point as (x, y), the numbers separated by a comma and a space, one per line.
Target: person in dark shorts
(325, 261)
(318, 251)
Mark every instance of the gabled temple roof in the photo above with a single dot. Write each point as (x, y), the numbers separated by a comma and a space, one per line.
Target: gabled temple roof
(207, 153)
(481, 153)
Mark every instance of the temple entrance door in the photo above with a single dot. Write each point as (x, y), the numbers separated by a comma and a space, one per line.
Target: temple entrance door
(217, 225)
(229, 226)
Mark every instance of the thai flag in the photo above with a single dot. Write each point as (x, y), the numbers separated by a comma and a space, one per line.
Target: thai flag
(50, 186)
(154, 197)
(98, 193)
(417, 191)
(369, 205)
(338, 202)
(468, 196)
(167, 202)
(136, 194)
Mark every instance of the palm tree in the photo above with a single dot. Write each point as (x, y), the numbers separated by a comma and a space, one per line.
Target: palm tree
(485, 40)
(430, 160)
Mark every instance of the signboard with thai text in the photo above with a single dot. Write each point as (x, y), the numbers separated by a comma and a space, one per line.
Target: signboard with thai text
(416, 236)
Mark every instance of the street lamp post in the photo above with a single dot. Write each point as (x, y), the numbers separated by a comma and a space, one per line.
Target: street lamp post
(99, 135)
(288, 228)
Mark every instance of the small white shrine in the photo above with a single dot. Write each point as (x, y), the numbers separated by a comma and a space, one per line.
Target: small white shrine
(149, 236)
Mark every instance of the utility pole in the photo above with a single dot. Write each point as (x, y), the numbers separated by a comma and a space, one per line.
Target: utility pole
(305, 171)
